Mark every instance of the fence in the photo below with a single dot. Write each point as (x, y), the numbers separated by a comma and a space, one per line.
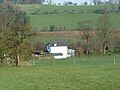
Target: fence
(81, 61)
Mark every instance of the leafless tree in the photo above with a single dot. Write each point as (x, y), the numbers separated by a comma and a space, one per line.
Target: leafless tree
(104, 32)
(86, 28)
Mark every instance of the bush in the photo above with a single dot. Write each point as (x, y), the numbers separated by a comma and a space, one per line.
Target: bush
(45, 13)
(52, 28)
(77, 47)
(119, 7)
(55, 12)
(39, 46)
(34, 13)
(99, 11)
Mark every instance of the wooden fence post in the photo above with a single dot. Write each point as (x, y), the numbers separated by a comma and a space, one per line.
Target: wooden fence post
(83, 60)
(54, 62)
(114, 62)
(74, 62)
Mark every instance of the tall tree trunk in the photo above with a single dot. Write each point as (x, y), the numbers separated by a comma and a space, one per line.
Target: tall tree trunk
(104, 46)
(17, 61)
(87, 49)
(88, 44)
(1, 62)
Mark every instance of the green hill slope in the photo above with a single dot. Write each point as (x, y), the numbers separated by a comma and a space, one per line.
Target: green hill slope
(66, 16)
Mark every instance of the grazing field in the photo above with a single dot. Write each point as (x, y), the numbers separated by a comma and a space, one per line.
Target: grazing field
(82, 61)
(90, 73)
(42, 16)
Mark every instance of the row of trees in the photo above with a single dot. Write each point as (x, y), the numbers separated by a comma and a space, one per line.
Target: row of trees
(99, 2)
(15, 32)
(66, 3)
(25, 1)
(103, 33)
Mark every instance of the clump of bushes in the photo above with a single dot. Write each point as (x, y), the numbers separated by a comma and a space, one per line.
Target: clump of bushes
(99, 11)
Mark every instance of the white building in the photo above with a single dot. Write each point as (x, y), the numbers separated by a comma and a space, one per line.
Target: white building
(59, 50)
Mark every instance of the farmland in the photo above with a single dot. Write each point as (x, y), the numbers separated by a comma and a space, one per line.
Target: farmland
(65, 16)
(85, 71)
(94, 73)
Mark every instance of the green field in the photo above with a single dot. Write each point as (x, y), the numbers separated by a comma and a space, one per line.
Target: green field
(90, 73)
(93, 61)
(66, 19)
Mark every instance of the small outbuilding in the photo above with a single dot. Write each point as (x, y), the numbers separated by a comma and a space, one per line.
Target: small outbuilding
(59, 50)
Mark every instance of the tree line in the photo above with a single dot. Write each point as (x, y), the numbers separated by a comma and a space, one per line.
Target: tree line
(99, 2)
(15, 34)
(24, 1)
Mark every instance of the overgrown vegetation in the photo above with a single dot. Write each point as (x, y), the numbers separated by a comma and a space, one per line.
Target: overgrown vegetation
(15, 33)
(25, 1)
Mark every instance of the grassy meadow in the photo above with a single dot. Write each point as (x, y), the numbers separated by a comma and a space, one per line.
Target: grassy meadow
(64, 18)
(86, 61)
(76, 73)
(89, 73)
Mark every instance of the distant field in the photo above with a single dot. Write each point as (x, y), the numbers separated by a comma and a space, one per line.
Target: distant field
(94, 73)
(64, 19)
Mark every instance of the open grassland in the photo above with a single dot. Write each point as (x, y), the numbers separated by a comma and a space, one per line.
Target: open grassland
(64, 18)
(94, 73)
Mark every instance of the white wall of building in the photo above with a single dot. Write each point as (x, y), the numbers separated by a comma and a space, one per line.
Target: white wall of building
(59, 49)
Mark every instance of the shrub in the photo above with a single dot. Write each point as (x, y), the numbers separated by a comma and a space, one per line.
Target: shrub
(99, 11)
(39, 46)
(55, 12)
(52, 28)
(34, 13)
(77, 47)
(119, 7)
(45, 13)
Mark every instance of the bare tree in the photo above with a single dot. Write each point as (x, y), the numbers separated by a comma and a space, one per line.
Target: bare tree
(86, 29)
(104, 32)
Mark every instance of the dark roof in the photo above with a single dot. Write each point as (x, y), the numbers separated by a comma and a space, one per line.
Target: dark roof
(50, 44)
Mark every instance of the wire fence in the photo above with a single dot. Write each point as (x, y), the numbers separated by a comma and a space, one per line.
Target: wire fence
(113, 60)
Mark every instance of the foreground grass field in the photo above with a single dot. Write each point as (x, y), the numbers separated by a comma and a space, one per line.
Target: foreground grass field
(94, 73)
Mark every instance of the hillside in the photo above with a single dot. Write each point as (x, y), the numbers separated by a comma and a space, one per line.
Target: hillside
(42, 16)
